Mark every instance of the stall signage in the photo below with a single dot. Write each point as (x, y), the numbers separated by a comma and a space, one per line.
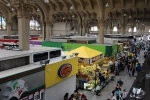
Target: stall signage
(83, 61)
(65, 70)
(94, 59)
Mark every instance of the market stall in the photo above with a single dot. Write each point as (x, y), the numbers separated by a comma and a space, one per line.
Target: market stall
(87, 56)
(88, 68)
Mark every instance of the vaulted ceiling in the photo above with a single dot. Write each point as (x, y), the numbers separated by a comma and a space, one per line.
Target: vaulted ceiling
(135, 9)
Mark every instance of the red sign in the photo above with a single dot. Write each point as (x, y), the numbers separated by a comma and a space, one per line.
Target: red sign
(65, 70)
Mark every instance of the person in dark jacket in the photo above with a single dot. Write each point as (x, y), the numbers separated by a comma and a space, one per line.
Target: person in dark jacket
(66, 96)
(139, 67)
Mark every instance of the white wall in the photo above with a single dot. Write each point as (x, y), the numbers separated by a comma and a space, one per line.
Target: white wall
(58, 91)
(36, 32)
(62, 29)
(3, 32)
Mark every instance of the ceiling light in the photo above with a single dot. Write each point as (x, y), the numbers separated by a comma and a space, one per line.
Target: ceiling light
(129, 16)
(46, 0)
(38, 9)
(71, 7)
(125, 15)
(12, 9)
(8, 4)
(63, 18)
(73, 16)
(107, 5)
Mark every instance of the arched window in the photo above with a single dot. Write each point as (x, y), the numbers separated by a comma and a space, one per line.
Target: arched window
(2, 23)
(115, 29)
(94, 28)
(134, 30)
(34, 25)
(130, 30)
(149, 30)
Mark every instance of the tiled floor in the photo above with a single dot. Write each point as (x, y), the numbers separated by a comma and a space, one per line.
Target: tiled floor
(106, 92)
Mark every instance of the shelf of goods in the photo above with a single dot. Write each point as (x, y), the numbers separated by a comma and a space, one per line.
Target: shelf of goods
(88, 76)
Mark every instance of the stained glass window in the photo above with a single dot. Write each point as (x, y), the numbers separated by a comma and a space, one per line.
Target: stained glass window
(34, 25)
(2, 23)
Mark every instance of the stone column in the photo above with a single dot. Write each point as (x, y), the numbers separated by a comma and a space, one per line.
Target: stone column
(101, 30)
(123, 25)
(83, 29)
(122, 29)
(43, 29)
(23, 27)
(8, 28)
(49, 29)
(132, 30)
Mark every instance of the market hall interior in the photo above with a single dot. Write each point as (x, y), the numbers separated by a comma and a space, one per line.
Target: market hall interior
(38, 34)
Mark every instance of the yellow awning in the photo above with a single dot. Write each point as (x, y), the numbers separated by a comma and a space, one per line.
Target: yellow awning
(85, 52)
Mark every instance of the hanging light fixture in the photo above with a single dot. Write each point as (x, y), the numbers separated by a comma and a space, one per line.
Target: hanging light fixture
(107, 5)
(125, 15)
(38, 9)
(72, 7)
(8, 4)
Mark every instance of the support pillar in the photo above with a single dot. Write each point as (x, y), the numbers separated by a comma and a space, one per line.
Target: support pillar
(8, 28)
(49, 29)
(23, 27)
(101, 30)
(122, 30)
(23, 9)
(111, 30)
(132, 30)
(84, 29)
(123, 25)
(23, 31)
(43, 31)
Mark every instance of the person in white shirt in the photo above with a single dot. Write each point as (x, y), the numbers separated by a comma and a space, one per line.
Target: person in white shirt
(124, 94)
(116, 65)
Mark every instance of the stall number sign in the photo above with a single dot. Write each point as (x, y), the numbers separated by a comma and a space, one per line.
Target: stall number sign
(65, 70)
(83, 61)
(96, 58)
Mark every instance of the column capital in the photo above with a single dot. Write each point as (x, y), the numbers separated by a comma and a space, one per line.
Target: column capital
(101, 21)
(23, 7)
(8, 23)
(49, 22)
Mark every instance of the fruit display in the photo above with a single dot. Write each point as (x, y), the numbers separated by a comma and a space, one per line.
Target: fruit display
(106, 60)
(90, 74)
(131, 54)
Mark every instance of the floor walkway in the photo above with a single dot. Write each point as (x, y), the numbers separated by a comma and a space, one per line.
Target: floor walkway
(106, 92)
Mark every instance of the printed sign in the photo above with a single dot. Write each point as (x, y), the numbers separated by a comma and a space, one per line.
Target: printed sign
(65, 70)
(83, 61)
(94, 59)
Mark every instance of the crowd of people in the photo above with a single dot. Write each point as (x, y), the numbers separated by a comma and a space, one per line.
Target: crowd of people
(131, 63)
(75, 96)
(118, 93)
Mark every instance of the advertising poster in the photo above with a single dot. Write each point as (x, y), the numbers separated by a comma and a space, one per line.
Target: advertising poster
(26, 88)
